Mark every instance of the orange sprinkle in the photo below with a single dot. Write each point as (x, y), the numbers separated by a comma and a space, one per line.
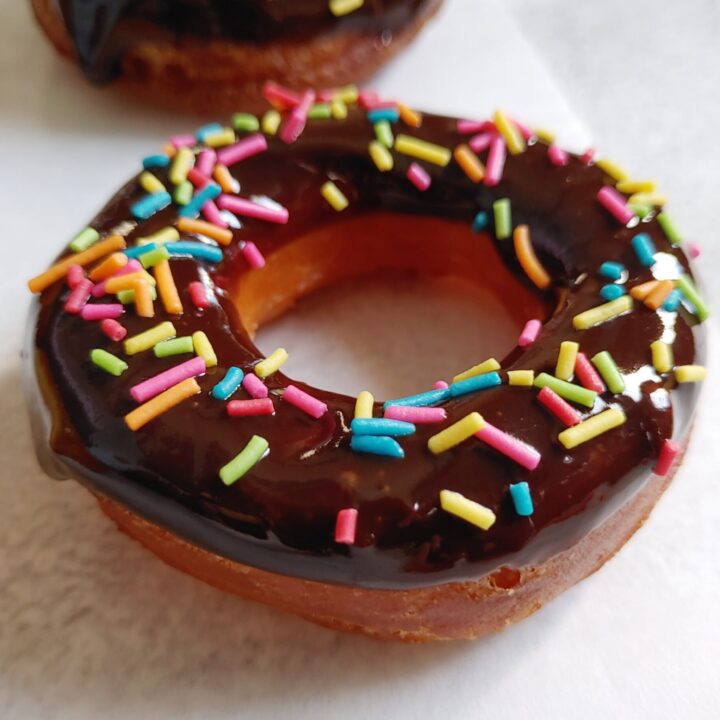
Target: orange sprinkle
(160, 404)
(109, 266)
(470, 163)
(224, 178)
(170, 150)
(640, 292)
(124, 282)
(143, 299)
(410, 117)
(167, 288)
(59, 269)
(659, 294)
(527, 258)
(222, 235)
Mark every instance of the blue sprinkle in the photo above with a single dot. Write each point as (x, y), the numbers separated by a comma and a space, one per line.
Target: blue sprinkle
(612, 270)
(210, 129)
(138, 250)
(381, 426)
(198, 250)
(479, 382)
(644, 249)
(522, 499)
(431, 397)
(376, 445)
(149, 205)
(390, 114)
(209, 192)
(229, 384)
(155, 161)
(611, 292)
(673, 300)
(481, 221)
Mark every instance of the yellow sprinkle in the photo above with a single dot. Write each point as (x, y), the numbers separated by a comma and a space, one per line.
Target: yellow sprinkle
(272, 363)
(648, 198)
(603, 313)
(348, 94)
(509, 130)
(150, 183)
(338, 109)
(468, 510)
(410, 117)
(270, 122)
(364, 405)
(662, 356)
(344, 7)
(521, 378)
(381, 156)
(484, 367)
(422, 150)
(547, 136)
(204, 349)
(149, 338)
(223, 137)
(456, 433)
(592, 427)
(180, 166)
(612, 169)
(469, 162)
(334, 196)
(565, 367)
(630, 187)
(166, 235)
(690, 373)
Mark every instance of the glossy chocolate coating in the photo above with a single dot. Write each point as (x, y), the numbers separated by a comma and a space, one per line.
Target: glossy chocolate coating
(101, 30)
(281, 515)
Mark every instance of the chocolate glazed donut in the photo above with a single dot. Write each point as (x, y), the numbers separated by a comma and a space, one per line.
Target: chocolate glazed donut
(413, 568)
(217, 53)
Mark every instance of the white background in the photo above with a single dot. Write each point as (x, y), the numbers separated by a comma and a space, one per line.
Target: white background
(91, 626)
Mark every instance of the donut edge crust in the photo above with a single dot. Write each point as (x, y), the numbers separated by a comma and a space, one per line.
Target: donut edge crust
(449, 611)
(223, 75)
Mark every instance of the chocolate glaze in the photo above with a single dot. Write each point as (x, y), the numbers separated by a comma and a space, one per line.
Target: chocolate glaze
(281, 515)
(101, 30)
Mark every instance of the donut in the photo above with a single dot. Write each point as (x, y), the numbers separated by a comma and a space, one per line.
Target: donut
(195, 54)
(446, 514)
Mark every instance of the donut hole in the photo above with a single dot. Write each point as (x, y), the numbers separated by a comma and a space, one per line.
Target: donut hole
(386, 302)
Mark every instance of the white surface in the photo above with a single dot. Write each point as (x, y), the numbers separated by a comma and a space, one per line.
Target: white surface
(92, 626)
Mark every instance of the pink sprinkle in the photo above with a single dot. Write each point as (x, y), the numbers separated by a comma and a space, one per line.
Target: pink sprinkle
(558, 156)
(525, 131)
(307, 403)
(668, 454)
(187, 140)
(509, 446)
(440, 385)
(366, 98)
(480, 143)
(475, 126)
(247, 208)
(281, 98)
(588, 156)
(418, 415)
(75, 274)
(615, 204)
(198, 178)
(325, 95)
(250, 408)
(381, 105)
(211, 213)
(418, 176)
(563, 411)
(345, 526)
(142, 392)
(495, 162)
(295, 124)
(133, 265)
(252, 255)
(113, 329)
(102, 312)
(587, 375)
(206, 162)
(529, 333)
(254, 386)
(198, 296)
(247, 147)
(693, 250)
(78, 297)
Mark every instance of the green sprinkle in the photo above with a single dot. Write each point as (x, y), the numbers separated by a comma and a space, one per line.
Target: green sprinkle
(607, 368)
(166, 235)
(669, 228)
(108, 362)
(183, 193)
(384, 134)
(83, 240)
(567, 390)
(152, 258)
(320, 111)
(126, 297)
(503, 218)
(687, 286)
(240, 464)
(245, 122)
(642, 211)
(177, 346)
